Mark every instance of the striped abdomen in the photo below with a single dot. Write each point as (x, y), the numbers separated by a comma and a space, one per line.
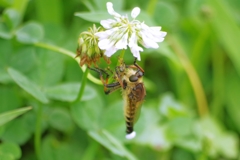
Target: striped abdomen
(132, 107)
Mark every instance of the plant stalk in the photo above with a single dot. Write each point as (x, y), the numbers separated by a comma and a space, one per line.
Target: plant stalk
(38, 131)
(193, 77)
(82, 87)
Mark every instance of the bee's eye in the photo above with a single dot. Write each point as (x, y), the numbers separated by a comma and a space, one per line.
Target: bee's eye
(133, 78)
(139, 74)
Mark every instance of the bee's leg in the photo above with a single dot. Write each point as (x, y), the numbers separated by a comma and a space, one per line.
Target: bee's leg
(108, 88)
(100, 72)
(112, 87)
(117, 75)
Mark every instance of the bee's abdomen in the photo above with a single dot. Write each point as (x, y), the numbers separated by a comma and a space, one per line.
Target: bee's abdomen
(129, 124)
(129, 116)
(133, 101)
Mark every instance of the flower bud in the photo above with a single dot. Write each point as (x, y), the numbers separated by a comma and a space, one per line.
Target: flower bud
(88, 49)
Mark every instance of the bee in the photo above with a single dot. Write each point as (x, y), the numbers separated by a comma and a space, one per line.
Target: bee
(128, 78)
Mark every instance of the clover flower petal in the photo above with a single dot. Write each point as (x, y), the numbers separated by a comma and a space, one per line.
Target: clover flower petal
(111, 10)
(121, 33)
(135, 12)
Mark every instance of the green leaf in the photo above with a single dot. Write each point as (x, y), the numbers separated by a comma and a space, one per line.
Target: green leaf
(232, 98)
(167, 12)
(6, 49)
(69, 91)
(49, 67)
(2, 129)
(7, 95)
(5, 31)
(182, 131)
(53, 148)
(8, 116)
(30, 33)
(44, 7)
(6, 3)
(60, 119)
(27, 85)
(117, 4)
(24, 126)
(149, 131)
(226, 29)
(171, 108)
(100, 15)
(87, 114)
(10, 150)
(6, 157)
(93, 16)
(217, 140)
(111, 143)
(20, 6)
(23, 58)
(113, 119)
(12, 18)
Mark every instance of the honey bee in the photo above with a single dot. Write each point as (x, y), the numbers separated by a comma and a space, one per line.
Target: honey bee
(128, 78)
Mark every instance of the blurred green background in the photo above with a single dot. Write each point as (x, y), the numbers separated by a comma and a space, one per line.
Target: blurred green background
(191, 111)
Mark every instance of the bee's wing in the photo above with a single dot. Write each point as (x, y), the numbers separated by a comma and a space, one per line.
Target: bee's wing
(140, 94)
(138, 111)
(133, 107)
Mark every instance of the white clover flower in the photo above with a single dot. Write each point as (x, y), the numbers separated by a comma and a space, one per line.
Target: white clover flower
(120, 33)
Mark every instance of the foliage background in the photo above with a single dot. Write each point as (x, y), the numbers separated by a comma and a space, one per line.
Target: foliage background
(191, 109)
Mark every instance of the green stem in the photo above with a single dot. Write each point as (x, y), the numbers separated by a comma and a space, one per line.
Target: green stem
(37, 137)
(82, 87)
(193, 77)
(218, 80)
(70, 54)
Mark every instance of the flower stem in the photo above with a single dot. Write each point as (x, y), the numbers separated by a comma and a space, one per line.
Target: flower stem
(82, 87)
(70, 54)
(193, 77)
(38, 131)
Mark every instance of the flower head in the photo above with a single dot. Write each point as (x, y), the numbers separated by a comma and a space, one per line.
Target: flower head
(88, 49)
(121, 33)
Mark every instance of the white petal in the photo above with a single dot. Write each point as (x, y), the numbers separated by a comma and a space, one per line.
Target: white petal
(151, 32)
(156, 28)
(110, 51)
(163, 34)
(122, 43)
(132, 40)
(135, 51)
(135, 12)
(157, 35)
(104, 44)
(148, 42)
(107, 23)
(105, 34)
(101, 35)
(111, 10)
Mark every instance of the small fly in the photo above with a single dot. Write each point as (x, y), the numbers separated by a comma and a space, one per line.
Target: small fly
(130, 79)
